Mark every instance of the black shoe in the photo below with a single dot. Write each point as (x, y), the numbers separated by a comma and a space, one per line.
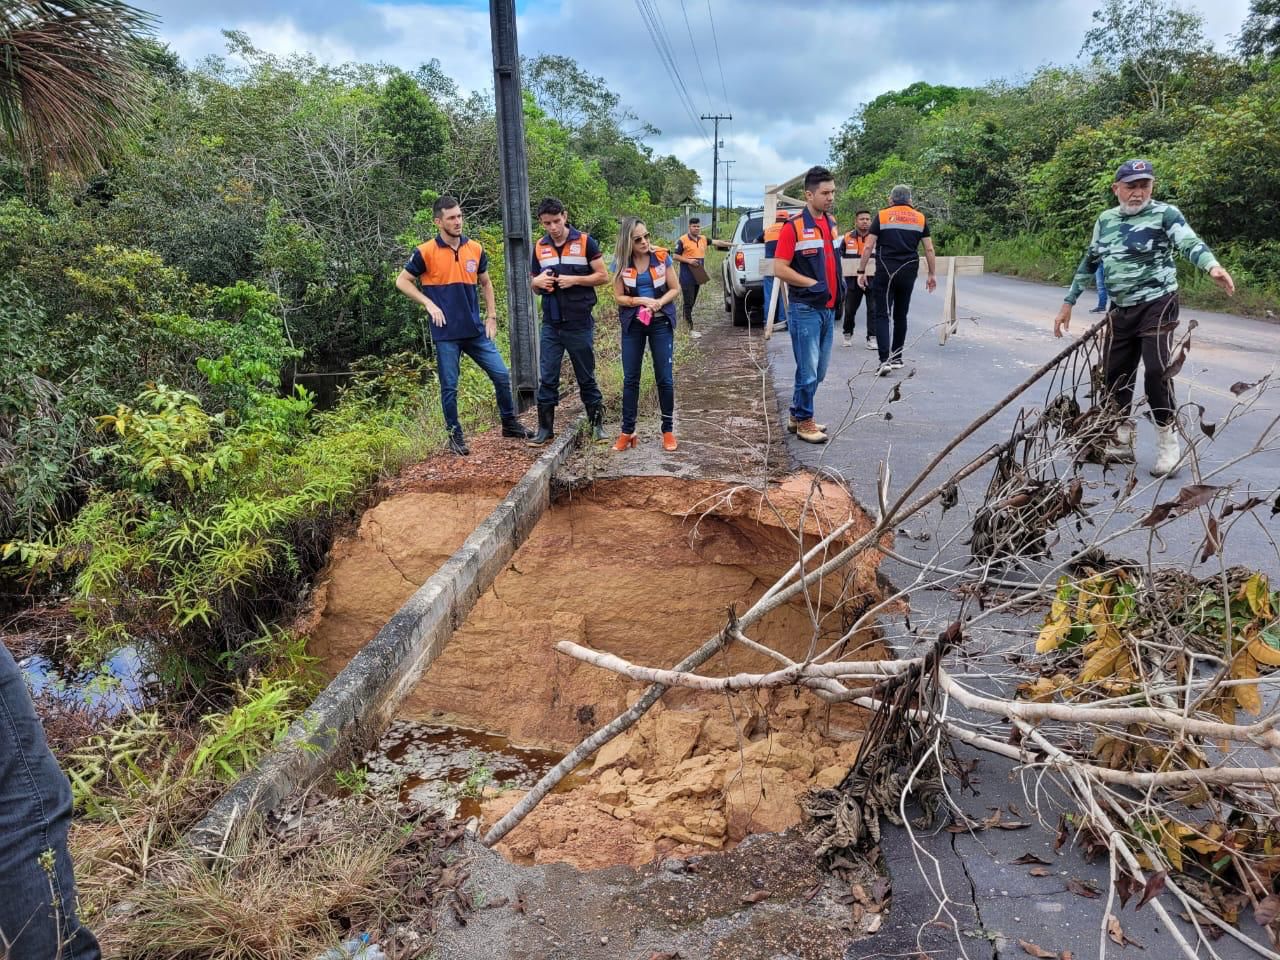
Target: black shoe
(595, 420)
(458, 445)
(1098, 310)
(515, 429)
(546, 425)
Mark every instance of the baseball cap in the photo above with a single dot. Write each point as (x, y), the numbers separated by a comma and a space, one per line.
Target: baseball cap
(782, 215)
(1132, 170)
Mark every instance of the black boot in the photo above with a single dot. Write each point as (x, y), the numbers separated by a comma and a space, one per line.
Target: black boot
(459, 445)
(546, 425)
(514, 428)
(595, 418)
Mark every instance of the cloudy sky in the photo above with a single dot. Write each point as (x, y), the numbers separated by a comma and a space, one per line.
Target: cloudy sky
(789, 81)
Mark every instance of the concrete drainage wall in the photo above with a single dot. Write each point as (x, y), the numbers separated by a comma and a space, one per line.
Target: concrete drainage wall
(361, 700)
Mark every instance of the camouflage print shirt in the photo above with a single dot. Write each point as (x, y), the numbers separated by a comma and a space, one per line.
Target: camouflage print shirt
(1137, 251)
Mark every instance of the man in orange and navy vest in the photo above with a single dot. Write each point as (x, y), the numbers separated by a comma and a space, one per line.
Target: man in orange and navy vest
(807, 262)
(896, 235)
(567, 267)
(691, 250)
(771, 234)
(441, 276)
(855, 241)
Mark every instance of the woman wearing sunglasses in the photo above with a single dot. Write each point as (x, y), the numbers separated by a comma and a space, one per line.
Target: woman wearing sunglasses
(646, 292)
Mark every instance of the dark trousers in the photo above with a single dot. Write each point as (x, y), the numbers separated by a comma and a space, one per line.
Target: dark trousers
(853, 297)
(660, 338)
(891, 293)
(554, 342)
(1143, 334)
(689, 296)
(485, 353)
(35, 815)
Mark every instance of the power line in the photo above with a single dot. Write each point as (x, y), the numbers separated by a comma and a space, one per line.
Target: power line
(724, 88)
(654, 25)
(693, 49)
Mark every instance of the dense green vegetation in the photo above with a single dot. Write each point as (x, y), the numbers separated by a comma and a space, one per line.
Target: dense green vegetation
(1018, 171)
(246, 222)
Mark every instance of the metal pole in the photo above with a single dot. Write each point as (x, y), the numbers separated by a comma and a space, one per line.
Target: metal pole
(715, 165)
(728, 186)
(516, 226)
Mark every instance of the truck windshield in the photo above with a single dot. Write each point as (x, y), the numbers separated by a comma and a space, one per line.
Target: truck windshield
(753, 229)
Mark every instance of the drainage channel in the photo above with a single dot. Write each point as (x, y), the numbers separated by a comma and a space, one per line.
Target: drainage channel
(647, 569)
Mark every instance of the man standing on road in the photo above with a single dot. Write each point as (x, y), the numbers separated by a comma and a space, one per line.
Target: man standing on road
(691, 251)
(896, 235)
(855, 241)
(441, 276)
(806, 261)
(1134, 244)
(771, 234)
(567, 267)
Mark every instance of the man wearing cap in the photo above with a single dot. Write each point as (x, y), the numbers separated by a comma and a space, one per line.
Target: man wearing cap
(855, 241)
(691, 251)
(1135, 242)
(771, 234)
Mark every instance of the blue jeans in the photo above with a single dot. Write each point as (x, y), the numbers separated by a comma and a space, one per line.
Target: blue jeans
(661, 340)
(812, 331)
(485, 353)
(781, 315)
(35, 814)
(554, 342)
(1101, 279)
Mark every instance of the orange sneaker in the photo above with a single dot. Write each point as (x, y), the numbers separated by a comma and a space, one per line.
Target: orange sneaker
(669, 441)
(624, 440)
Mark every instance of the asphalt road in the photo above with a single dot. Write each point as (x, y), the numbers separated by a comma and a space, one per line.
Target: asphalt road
(1005, 333)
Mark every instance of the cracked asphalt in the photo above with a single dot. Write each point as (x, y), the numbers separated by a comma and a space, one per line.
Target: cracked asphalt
(960, 894)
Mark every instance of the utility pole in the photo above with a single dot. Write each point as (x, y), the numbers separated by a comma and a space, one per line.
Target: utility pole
(516, 226)
(715, 164)
(728, 185)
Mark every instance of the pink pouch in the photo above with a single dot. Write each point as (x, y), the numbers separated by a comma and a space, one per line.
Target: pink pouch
(644, 315)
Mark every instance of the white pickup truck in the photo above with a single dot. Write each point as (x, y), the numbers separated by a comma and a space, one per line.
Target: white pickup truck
(743, 281)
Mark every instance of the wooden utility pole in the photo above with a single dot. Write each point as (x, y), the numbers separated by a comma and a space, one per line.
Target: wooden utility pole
(715, 164)
(516, 222)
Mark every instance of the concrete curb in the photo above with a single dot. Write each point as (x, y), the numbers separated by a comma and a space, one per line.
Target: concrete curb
(361, 700)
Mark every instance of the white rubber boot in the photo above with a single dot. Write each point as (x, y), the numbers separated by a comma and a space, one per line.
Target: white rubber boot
(1168, 451)
(1119, 448)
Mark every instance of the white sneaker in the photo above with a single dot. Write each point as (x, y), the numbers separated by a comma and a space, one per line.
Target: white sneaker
(1119, 449)
(848, 340)
(1168, 451)
(871, 344)
(896, 364)
(886, 368)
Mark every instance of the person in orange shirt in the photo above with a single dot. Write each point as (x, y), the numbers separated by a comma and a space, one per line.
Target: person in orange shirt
(771, 234)
(691, 250)
(855, 241)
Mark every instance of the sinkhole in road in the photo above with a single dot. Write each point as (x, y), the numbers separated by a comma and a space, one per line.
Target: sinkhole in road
(646, 569)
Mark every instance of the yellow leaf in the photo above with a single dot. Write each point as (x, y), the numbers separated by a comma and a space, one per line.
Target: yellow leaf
(1041, 690)
(1173, 850)
(1101, 664)
(1244, 667)
(1258, 592)
(1052, 635)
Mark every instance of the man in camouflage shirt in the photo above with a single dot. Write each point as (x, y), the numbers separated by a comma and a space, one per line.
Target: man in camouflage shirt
(1135, 243)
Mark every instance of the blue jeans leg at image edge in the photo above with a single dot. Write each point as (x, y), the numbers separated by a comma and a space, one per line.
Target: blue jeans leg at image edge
(806, 325)
(1101, 279)
(448, 362)
(35, 815)
(485, 353)
(660, 339)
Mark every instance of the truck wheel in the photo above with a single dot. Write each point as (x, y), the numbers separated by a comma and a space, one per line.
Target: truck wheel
(739, 311)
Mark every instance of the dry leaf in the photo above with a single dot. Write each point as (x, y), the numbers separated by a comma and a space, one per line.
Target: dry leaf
(1037, 951)
(1244, 667)
(1081, 889)
(1040, 872)
(1267, 910)
(1153, 889)
(755, 896)
(1117, 934)
(1029, 858)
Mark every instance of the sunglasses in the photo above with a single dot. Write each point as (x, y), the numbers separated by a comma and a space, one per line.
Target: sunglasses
(643, 236)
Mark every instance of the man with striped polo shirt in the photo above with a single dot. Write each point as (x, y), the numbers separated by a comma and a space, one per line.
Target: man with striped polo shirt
(441, 276)
(1134, 243)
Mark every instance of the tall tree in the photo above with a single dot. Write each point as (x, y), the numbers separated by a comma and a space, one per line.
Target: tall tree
(71, 80)
(1151, 39)
(1260, 33)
